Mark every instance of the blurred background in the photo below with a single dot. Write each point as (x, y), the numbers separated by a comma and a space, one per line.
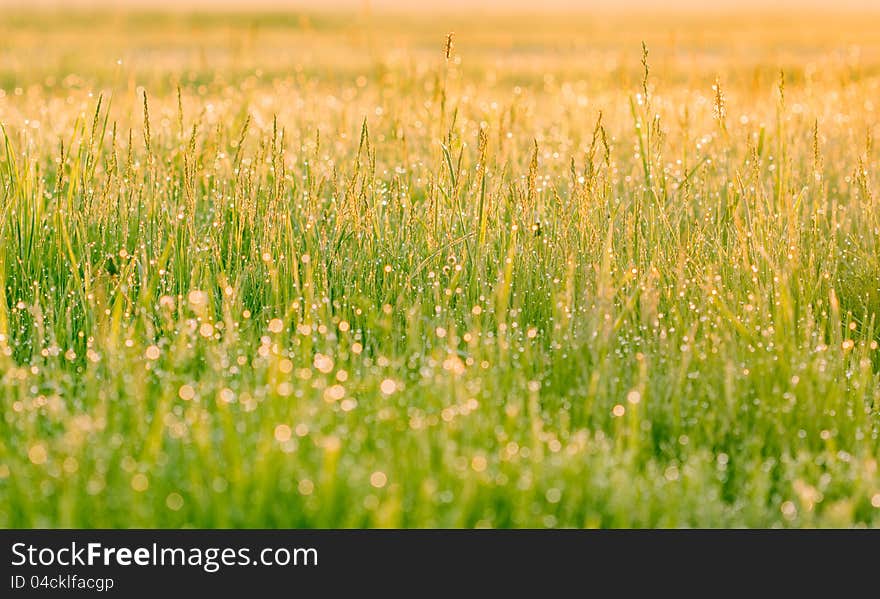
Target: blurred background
(60, 46)
(701, 6)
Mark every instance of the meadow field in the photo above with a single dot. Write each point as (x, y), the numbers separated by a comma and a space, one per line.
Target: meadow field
(346, 270)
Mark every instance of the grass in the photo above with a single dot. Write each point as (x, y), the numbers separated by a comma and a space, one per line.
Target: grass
(267, 273)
